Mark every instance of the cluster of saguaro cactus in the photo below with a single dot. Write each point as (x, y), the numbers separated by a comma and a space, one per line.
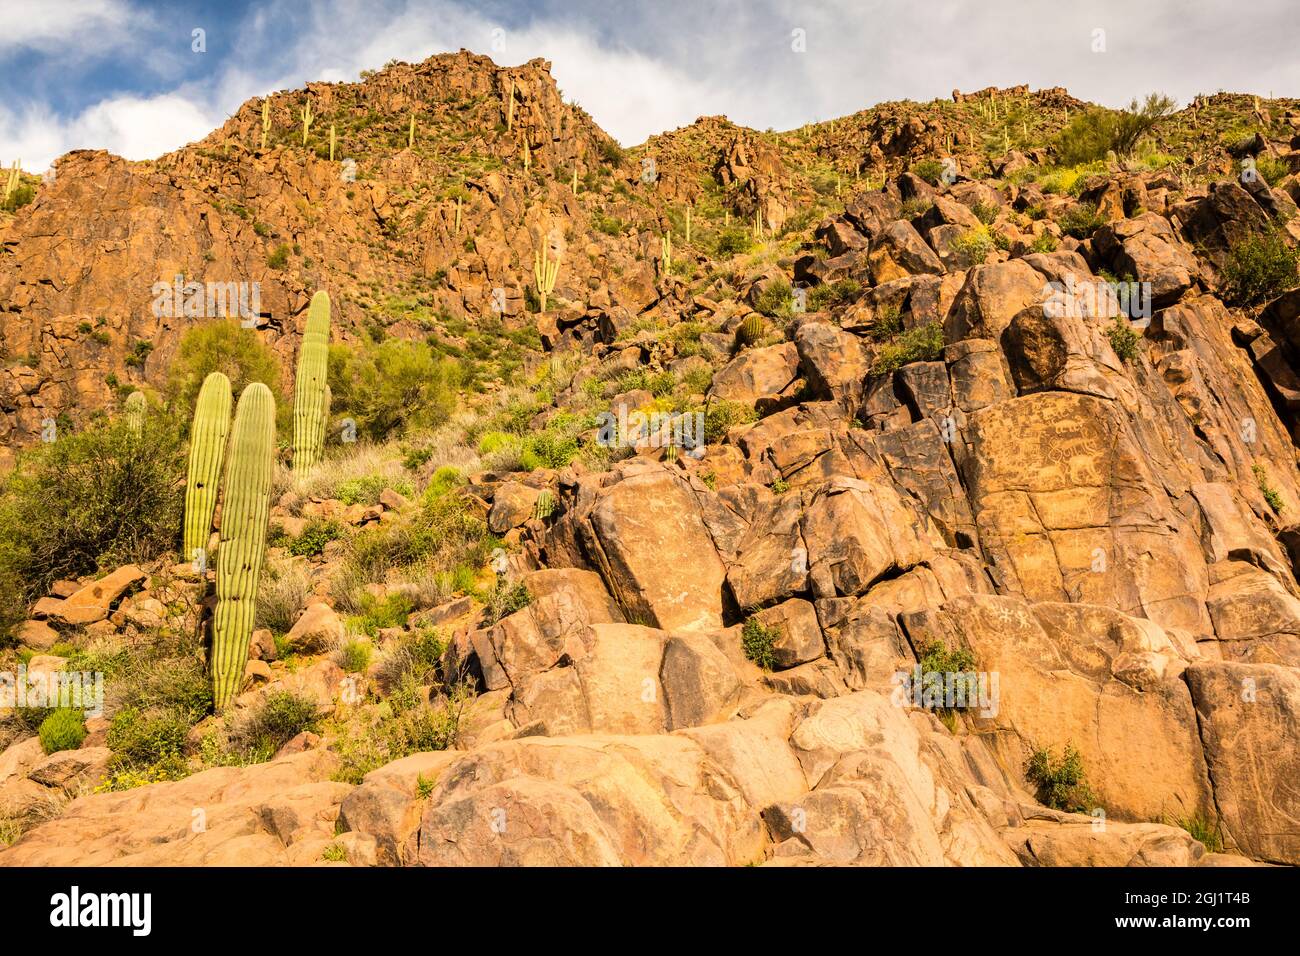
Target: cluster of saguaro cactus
(307, 117)
(266, 119)
(544, 273)
(750, 329)
(134, 409)
(12, 180)
(310, 391)
(207, 452)
(245, 514)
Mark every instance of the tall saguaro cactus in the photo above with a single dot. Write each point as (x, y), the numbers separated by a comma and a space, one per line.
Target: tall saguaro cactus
(266, 119)
(332, 142)
(307, 117)
(544, 273)
(135, 408)
(12, 180)
(244, 518)
(309, 387)
(208, 435)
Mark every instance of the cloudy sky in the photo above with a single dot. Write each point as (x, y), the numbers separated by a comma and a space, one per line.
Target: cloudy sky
(128, 75)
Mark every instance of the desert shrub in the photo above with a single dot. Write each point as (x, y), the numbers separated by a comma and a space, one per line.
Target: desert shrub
(733, 241)
(506, 599)
(719, 417)
(91, 501)
(316, 533)
(334, 853)
(20, 197)
(143, 737)
(836, 293)
(1259, 268)
(1123, 339)
(1272, 169)
(939, 660)
(1094, 132)
(277, 719)
(374, 614)
(219, 346)
(365, 490)
(353, 656)
(282, 594)
(776, 300)
(887, 324)
(928, 169)
(974, 243)
(759, 643)
(392, 387)
(1266, 489)
(378, 739)
(1060, 784)
(412, 660)
(921, 344)
(1203, 830)
(64, 729)
(1080, 220)
(278, 258)
(986, 212)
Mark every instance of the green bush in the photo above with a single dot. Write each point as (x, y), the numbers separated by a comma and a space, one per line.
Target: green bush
(928, 169)
(367, 489)
(977, 244)
(1061, 784)
(776, 300)
(1259, 268)
(147, 737)
(220, 346)
(64, 729)
(91, 501)
(279, 257)
(1272, 169)
(734, 241)
(20, 197)
(1081, 220)
(759, 643)
(317, 533)
(393, 387)
(938, 660)
(834, 294)
(1266, 489)
(354, 656)
(1094, 132)
(281, 716)
(719, 417)
(922, 344)
(1123, 339)
(375, 614)
(505, 600)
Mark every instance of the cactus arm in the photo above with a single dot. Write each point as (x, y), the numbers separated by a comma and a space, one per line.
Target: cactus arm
(208, 436)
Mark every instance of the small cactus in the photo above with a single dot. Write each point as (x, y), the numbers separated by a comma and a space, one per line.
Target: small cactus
(510, 109)
(208, 435)
(545, 506)
(307, 117)
(309, 387)
(135, 408)
(245, 516)
(666, 252)
(750, 330)
(266, 119)
(410, 133)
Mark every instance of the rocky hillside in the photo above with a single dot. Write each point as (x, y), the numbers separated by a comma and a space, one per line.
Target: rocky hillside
(676, 561)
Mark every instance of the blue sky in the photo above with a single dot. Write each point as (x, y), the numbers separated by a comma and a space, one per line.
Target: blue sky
(123, 75)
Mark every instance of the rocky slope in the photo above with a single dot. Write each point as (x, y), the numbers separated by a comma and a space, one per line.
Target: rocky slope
(928, 457)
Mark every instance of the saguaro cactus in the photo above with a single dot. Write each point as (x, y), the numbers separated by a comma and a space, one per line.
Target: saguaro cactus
(666, 252)
(410, 133)
(309, 408)
(13, 179)
(331, 142)
(266, 119)
(244, 518)
(307, 117)
(208, 435)
(544, 274)
(135, 408)
(510, 108)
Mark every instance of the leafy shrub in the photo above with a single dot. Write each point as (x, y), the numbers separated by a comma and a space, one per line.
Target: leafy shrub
(734, 241)
(375, 614)
(353, 656)
(928, 169)
(1081, 220)
(1207, 832)
(719, 417)
(64, 729)
(412, 660)
(1061, 784)
(939, 660)
(986, 212)
(922, 344)
(363, 745)
(279, 257)
(366, 489)
(1123, 339)
(393, 387)
(142, 737)
(1266, 489)
(776, 300)
(759, 643)
(1272, 169)
(281, 716)
(20, 197)
(1044, 243)
(836, 293)
(92, 500)
(1094, 132)
(887, 324)
(977, 244)
(506, 599)
(317, 533)
(1260, 268)
(219, 346)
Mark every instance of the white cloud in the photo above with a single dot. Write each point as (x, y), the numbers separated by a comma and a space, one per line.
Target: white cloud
(89, 27)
